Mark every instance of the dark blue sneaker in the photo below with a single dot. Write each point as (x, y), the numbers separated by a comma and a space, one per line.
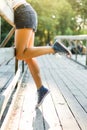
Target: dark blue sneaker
(42, 93)
(59, 47)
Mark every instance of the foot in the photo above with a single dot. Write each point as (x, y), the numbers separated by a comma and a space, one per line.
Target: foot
(59, 47)
(42, 93)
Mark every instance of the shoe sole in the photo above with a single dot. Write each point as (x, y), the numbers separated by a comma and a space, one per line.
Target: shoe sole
(42, 100)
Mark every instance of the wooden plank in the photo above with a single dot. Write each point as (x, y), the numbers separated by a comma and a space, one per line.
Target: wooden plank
(38, 122)
(60, 108)
(6, 54)
(76, 89)
(51, 119)
(7, 93)
(24, 115)
(6, 120)
(80, 79)
(75, 79)
(5, 80)
(71, 37)
(6, 74)
(23, 112)
(28, 109)
(67, 121)
(78, 112)
(66, 118)
(6, 11)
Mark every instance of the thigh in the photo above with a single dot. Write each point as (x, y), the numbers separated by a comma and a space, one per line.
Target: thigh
(23, 37)
(31, 40)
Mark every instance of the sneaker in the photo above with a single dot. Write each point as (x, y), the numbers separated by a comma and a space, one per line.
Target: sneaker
(59, 47)
(42, 93)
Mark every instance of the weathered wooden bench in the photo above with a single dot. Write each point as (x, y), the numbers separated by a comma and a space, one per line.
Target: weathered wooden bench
(6, 13)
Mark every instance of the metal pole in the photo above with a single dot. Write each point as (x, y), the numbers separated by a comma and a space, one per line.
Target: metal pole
(16, 61)
(0, 29)
(16, 65)
(76, 53)
(22, 66)
(86, 52)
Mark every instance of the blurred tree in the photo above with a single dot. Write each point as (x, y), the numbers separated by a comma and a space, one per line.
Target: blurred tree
(46, 19)
(5, 28)
(66, 22)
(80, 9)
(57, 17)
(54, 18)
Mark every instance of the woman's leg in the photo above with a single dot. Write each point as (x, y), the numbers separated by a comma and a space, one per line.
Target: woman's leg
(22, 38)
(33, 66)
(27, 41)
(35, 71)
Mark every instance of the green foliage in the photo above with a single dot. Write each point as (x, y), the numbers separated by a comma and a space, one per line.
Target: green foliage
(5, 28)
(65, 16)
(57, 17)
(83, 31)
(80, 9)
(68, 31)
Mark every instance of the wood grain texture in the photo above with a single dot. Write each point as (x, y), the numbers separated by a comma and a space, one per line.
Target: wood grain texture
(6, 11)
(65, 106)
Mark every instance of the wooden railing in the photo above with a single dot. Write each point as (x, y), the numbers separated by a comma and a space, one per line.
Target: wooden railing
(6, 13)
(75, 39)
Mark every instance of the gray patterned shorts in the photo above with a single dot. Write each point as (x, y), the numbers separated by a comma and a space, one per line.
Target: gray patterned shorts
(25, 17)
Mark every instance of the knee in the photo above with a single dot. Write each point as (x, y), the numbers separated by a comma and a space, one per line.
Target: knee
(28, 61)
(19, 55)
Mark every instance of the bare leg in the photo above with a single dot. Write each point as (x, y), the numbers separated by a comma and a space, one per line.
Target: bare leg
(33, 66)
(22, 38)
(35, 71)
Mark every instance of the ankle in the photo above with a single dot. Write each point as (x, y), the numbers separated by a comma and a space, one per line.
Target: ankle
(40, 88)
